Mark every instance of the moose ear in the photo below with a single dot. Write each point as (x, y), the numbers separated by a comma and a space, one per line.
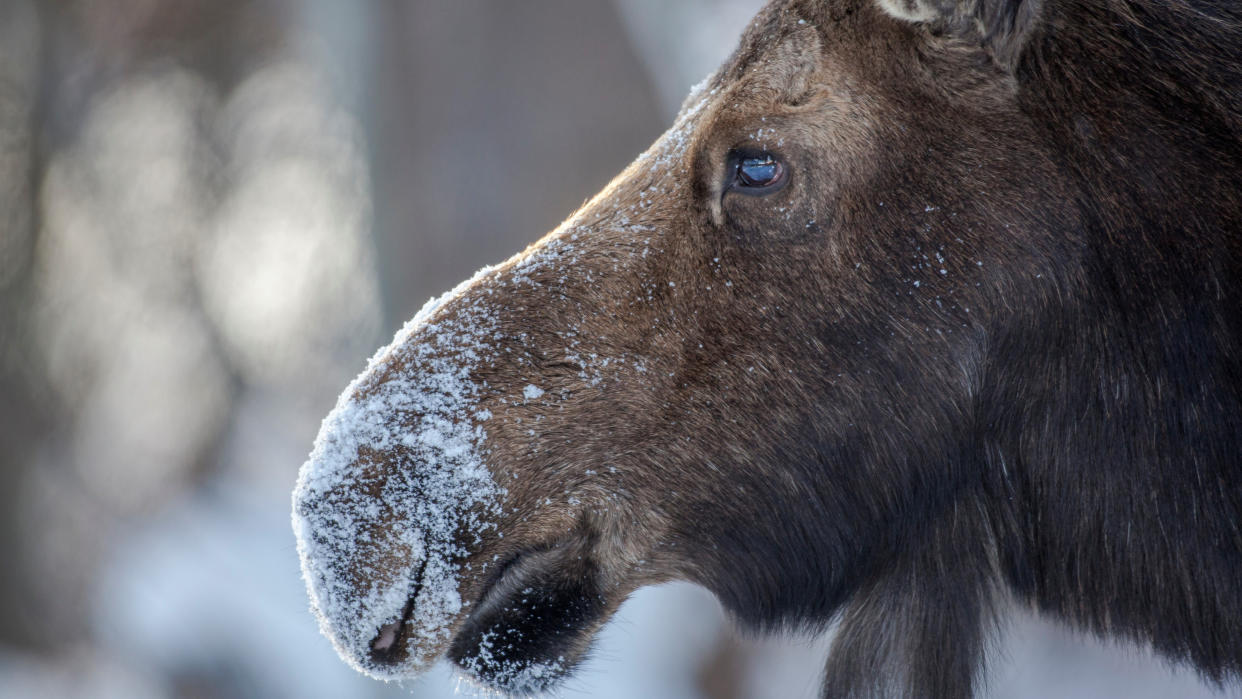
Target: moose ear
(1002, 25)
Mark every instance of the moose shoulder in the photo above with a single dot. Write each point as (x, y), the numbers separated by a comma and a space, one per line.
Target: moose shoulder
(920, 308)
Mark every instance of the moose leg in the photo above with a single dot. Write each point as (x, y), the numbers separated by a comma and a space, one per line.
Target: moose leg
(919, 629)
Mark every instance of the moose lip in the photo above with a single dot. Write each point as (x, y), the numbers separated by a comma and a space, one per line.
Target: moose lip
(520, 564)
(503, 571)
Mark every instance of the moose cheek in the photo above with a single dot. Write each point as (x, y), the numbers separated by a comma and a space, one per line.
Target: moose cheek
(756, 222)
(530, 630)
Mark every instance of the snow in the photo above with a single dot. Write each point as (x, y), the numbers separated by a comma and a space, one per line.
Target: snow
(519, 678)
(532, 392)
(414, 408)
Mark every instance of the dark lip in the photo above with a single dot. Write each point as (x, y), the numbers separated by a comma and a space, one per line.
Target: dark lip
(518, 563)
(494, 579)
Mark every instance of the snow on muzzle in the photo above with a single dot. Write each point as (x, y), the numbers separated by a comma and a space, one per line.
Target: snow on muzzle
(394, 482)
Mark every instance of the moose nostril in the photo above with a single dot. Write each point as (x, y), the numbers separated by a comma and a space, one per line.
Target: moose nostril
(386, 639)
(387, 646)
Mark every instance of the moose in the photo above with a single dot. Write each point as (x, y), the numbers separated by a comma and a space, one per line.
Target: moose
(922, 309)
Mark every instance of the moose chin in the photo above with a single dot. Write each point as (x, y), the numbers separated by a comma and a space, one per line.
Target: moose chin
(920, 310)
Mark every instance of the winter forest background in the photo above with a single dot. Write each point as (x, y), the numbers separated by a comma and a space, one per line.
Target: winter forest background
(211, 213)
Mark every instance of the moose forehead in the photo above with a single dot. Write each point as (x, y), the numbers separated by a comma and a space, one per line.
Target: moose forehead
(776, 62)
(789, 83)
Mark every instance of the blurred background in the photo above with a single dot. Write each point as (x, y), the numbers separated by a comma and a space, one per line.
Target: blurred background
(211, 213)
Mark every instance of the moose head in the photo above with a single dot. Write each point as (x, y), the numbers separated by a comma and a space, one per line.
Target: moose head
(834, 348)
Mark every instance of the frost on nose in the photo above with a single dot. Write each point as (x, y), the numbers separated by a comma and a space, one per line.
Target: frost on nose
(395, 476)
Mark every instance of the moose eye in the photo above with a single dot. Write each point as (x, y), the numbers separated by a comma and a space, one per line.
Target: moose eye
(757, 174)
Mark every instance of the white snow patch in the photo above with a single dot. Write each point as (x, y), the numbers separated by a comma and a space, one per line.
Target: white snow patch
(532, 392)
(365, 530)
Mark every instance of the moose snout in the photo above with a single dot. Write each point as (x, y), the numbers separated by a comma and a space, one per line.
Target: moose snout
(381, 551)
(395, 490)
(404, 491)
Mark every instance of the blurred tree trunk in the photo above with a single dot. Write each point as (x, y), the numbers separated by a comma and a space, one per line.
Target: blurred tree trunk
(24, 412)
(498, 120)
(56, 56)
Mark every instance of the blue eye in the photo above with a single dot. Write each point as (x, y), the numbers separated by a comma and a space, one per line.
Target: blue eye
(761, 174)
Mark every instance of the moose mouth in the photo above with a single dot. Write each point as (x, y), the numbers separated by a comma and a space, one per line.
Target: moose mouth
(390, 647)
(528, 626)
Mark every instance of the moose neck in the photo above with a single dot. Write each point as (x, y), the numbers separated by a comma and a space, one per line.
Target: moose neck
(1134, 381)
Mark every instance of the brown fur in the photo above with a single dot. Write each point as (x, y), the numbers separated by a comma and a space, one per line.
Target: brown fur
(984, 345)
